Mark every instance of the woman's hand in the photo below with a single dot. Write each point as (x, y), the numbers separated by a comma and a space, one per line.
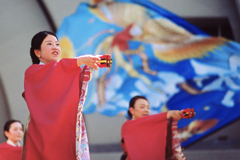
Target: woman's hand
(174, 114)
(89, 60)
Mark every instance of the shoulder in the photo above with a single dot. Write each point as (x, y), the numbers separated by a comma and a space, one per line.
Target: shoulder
(33, 68)
(126, 124)
(4, 145)
(155, 118)
(63, 64)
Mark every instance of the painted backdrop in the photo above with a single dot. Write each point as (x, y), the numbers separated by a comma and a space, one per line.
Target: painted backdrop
(160, 56)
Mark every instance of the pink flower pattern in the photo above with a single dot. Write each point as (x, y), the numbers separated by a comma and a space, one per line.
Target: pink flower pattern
(82, 149)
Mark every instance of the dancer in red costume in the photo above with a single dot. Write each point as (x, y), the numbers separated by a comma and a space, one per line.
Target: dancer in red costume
(12, 149)
(55, 92)
(145, 137)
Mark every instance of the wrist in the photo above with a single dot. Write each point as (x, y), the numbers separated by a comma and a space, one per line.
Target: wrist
(79, 61)
(168, 114)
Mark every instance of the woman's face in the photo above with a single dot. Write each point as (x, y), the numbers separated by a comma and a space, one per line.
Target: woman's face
(140, 109)
(15, 132)
(50, 50)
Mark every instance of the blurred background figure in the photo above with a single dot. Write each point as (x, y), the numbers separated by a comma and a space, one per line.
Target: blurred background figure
(12, 149)
(150, 137)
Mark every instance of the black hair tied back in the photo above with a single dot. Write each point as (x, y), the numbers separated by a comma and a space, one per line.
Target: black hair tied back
(36, 44)
(35, 59)
(132, 102)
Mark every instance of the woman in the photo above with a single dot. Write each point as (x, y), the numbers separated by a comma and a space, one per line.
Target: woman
(145, 137)
(12, 149)
(55, 92)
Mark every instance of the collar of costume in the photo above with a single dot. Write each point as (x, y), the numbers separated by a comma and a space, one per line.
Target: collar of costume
(12, 144)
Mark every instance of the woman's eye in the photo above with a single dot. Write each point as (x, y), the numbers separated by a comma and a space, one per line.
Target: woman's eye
(57, 44)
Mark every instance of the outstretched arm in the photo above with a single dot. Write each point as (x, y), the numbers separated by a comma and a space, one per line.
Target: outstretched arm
(174, 114)
(89, 60)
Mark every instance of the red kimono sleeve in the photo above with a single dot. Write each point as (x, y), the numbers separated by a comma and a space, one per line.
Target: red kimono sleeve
(52, 96)
(145, 138)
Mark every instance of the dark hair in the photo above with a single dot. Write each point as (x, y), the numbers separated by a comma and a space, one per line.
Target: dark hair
(132, 102)
(8, 125)
(36, 44)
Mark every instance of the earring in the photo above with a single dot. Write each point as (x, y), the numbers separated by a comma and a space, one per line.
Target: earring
(133, 117)
(39, 56)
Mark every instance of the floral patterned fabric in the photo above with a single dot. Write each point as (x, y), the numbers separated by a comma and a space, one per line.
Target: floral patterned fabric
(82, 149)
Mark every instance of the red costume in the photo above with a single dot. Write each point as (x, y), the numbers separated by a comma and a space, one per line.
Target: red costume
(52, 96)
(8, 152)
(152, 138)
